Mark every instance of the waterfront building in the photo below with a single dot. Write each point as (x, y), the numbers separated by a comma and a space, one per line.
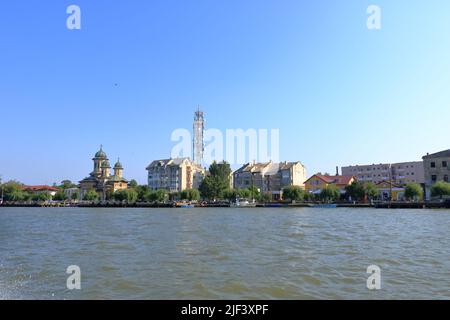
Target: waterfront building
(174, 175)
(400, 173)
(387, 189)
(270, 177)
(318, 182)
(437, 168)
(41, 189)
(101, 180)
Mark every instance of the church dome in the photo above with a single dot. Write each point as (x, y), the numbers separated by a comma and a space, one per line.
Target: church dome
(106, 164)
(100, 153)
(118, 165)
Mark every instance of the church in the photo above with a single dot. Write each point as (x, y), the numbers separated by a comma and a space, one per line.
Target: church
(101, 180)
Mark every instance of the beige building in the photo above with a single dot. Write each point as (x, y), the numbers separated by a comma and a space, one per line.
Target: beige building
(437, 168)
(101, 180)
(270, 177)
(174, 174)
(400, 173)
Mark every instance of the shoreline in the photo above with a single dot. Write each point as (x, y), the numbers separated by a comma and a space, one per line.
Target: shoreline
(393, 205)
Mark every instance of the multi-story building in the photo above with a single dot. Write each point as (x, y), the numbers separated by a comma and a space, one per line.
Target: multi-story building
(437, 168)
(174, 175)
(398, 173)
(101, 180)
(318, 182)
(270, 177)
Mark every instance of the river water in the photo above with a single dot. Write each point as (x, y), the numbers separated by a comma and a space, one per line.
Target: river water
(224, 253)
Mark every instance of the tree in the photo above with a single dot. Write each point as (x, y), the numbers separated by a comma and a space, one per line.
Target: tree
(355, 191)
(143, 192)
(60, 196)
(133, 184)
(254, 192)
(413, 192)
(293, 193)
(41, 196)
(128, 195)
(371, 190)
(13, 191)
(265, 197)
(440, 189)
(159, 195)
(330, 193)
(91, 195)
(217, 182)
(190, 194)
(66, 184)
(75, 195)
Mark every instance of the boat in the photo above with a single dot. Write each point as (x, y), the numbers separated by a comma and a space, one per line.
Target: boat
(243, 203)
(184, 205)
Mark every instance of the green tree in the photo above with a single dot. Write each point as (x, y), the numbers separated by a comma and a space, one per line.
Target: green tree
(254, 192)
(440, 189)
(60, 196)
(413, 191)
(75, 195)
(217, 182)
(265, 197)
(91, 195)
(190, 194)
(13, 191)
(159, 195)
(355, 191)
(143, 192)
(67, 184)
(133, 184)
(293, 193)
(128, 195)
(371, 190)
(41, 196)
(330, 193)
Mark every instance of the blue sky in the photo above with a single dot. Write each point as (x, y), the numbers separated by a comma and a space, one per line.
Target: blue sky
(339, 93)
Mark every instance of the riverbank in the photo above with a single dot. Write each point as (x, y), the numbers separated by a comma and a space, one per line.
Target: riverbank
(380, 205)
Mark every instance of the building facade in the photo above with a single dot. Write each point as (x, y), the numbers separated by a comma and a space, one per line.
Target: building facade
(437, 168)
(174, 175)
(101, 180)
(270, 177)
(390, 191)
(400, 173)
(316, 183)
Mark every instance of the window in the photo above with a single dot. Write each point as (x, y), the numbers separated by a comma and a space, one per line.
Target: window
(446, 178)
(434, 178)
(433, 164)
(444, 164)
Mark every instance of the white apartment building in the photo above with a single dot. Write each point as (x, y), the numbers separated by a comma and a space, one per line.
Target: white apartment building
(400, 173)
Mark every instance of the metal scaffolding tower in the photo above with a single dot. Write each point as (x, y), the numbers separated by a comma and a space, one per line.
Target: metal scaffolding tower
(197, 141)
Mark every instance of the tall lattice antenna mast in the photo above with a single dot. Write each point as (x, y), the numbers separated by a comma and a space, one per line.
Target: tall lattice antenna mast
(197, 142)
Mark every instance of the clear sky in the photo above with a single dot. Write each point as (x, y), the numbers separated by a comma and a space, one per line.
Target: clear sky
(339, 93)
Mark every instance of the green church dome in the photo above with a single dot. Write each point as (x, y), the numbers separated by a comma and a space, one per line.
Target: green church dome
(118, 165)
(105, 164)
(100, 153)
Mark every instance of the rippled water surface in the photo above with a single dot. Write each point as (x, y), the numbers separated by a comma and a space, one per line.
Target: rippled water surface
(224, 253)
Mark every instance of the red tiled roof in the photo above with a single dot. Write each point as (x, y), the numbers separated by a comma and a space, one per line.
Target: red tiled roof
(39, 188)
(339, 180)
